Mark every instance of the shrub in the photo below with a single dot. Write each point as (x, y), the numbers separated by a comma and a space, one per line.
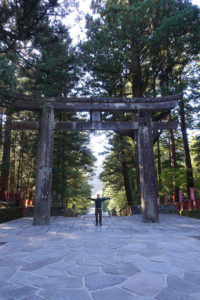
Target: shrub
(191, 214)
(11, 213)
(69, 212)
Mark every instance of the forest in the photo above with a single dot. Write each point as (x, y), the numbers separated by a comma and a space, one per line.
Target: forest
(133, 48)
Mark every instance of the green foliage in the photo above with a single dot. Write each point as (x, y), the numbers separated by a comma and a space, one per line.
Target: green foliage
(38, 57)
(195, 153)
(117, 201)
(119, 166)
(167, 177)
(145, 43)
(70, 213)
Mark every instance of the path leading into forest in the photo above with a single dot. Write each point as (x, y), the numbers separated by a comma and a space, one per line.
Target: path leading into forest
(122, 260)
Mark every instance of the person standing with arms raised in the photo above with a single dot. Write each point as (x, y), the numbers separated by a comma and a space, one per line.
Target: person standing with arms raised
(98, 210)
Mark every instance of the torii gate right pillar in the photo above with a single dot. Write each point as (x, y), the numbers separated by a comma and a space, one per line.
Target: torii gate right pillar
(42, 208)
(148, 179)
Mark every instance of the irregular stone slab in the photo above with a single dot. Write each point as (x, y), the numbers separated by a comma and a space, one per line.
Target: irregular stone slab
(7, 272)
(63, 265)
(194, 277)
(17, 293)
(131, 248)
(188, 265)
(65, 294)
(23, 278)
(159, 268)
(4, 284)
(182, 285)
(100, 281)
(82, 270)
(162, 258)
(12, 263)
(196, 296)
(90, 261)
(121, 269)
(41, 263)
(109, 260)
(169, 294)
(144, 283)
(133, 258)
(33, 297)
(112, 294)
(150, 252)
(50, 272)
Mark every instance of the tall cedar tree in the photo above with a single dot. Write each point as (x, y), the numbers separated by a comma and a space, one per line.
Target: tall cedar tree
(142, 45)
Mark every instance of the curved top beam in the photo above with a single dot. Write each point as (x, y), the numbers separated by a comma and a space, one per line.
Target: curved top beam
(24, 102)
(14, 97)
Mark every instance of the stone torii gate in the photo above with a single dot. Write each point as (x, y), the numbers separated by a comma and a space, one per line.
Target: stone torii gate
(46, 126)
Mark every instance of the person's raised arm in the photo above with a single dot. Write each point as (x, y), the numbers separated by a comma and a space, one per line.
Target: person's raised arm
(91, 199)
(105, 198)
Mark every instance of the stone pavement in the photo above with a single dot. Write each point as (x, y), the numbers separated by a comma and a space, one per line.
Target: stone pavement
(124, 259)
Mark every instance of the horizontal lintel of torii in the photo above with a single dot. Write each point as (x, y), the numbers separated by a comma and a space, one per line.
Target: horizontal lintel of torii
(95, 125)
(101, 107)
(28, 98)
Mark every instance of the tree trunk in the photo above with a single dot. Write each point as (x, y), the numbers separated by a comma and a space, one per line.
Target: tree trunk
(128, 181)
(159, 162)
(188, 164)
(1, 121)
(6, 153)
(173, 162)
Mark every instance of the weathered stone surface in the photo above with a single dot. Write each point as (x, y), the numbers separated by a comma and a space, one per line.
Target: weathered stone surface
(23, 278)
(159, 268)
(81, 270)
(12, 263)
(65, 294)
(41, 263)
(7, 272)
(17, 293)
(144, 283)
(194, 277)
(44, 168)
(101, 281)
(4, 284)
(132, 258)
(33, 297)
(112, 294)
(182, 285)
(169, 294)
(131, 248)
(50, 272)
(108, 260)
(74, 241)
(63, 265)
(121, 269)
(148, 178)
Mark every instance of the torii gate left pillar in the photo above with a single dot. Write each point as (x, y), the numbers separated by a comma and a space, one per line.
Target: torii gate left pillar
(43, 185)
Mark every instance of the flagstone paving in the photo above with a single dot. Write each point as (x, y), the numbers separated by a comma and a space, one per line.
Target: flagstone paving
(124, 259)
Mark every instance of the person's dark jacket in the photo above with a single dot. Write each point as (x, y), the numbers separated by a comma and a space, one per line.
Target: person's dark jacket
(98, 201)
